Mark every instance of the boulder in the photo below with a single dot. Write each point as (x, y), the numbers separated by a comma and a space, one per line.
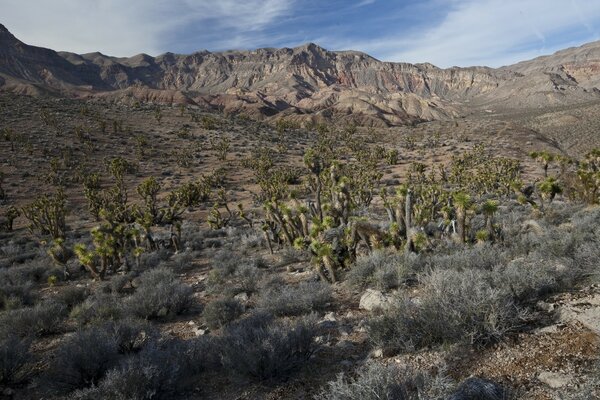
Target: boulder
(374, 300)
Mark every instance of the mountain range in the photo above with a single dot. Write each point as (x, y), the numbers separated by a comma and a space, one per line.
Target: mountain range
(304, 83)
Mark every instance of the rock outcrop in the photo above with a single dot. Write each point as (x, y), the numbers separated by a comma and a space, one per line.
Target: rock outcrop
(303, 83)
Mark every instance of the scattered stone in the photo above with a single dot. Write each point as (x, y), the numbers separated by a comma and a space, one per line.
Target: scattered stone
(543, 306)
(377, 353)
(330, 316)
(200, 331)
(242, 297)
(586, 312)
(373, 300)
(554, 379)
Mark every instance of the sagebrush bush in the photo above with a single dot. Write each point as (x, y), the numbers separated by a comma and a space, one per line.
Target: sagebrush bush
(36, 271)
(481, 389)
(159, 294)
(14, 356)
(221, 312)
(158, 371)
(71, 296)
(246, 278)
(375, 381)
(225, 262)
(16, 295)
(132, 335)
(42, 319)
(261, 348)
(295, 300)
(455, 306)
(98, 308)
(81, 361)
(459, 257)
(380, 269)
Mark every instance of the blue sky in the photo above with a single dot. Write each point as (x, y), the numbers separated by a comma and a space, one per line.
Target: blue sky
(443, 32)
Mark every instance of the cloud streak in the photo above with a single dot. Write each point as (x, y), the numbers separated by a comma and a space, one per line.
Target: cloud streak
(443, 32)
(493, 32)
(125, 28)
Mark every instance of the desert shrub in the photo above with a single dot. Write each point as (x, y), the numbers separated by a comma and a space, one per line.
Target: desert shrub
(246, 278)
(132, 335)
(455, 306)
(153, 259)
(225, 262)
(42, 319)
(81, 361)
(380, 269)
(16, 295)
(181, 262)
(14, 355)
(530, 278)
(157, 372)
(71, 296)
(221, 312)
(481, 389)
(295, 300)
(118, 283)
(98, 308)
(376, 381)
(34, 271)
(459, 257)
(260, 348)
(160, 294)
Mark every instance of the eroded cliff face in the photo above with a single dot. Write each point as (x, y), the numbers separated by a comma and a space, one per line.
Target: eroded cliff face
(306, 82)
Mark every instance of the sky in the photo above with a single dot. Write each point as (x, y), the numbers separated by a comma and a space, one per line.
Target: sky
(443, 32)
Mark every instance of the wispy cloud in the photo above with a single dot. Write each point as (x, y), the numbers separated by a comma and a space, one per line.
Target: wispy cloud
(124, 28)
(365, 3)
(444, 32)
(492, 32)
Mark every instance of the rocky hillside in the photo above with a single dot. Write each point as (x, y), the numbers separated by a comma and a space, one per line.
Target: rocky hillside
(302, 83)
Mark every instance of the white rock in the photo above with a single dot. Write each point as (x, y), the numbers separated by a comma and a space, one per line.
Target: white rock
(554, 379)
(374, 299)
(330, 316)
(200, 332)
(378, 353)
(243, 297)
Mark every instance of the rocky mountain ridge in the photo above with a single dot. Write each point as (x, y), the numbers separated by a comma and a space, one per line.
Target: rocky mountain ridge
(304, 83)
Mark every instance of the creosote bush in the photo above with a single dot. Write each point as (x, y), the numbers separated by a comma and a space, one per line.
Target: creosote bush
(82, 360)
(159, 294)
(456, 306)
(42, 319)
(295, 300)
(260, 348)
(375, 381)
(98, 308)
(221, 312)
(381, 269)
(14, 356)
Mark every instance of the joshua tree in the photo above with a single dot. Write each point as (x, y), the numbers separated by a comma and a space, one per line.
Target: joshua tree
(11, 214)
(60, 254)
(544, 158)
(2, 192)
(462, 202)
(148, 190)
(47, 214)
(489, 208)
(549, 188)
(158, 114)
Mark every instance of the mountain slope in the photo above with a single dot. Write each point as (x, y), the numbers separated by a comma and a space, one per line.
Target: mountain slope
(307, 82)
